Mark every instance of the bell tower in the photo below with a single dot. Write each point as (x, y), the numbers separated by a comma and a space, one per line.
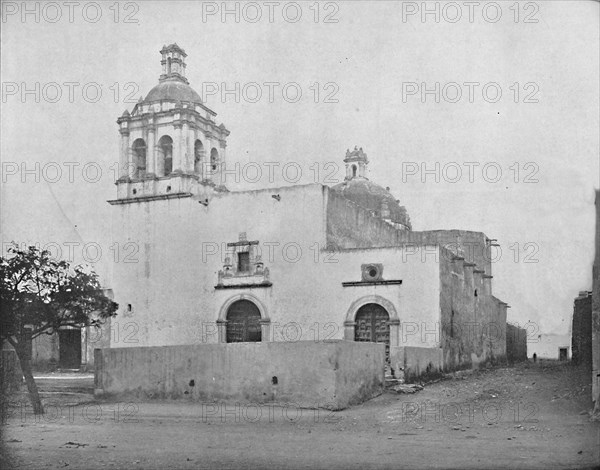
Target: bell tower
(170, 145)
(356, 164)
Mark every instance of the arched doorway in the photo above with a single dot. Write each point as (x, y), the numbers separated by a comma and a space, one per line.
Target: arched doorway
(69, 348)
(243, 322)
(373, 325)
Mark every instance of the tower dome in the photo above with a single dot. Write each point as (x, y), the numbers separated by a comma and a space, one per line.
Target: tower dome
(368, 195)
(173, 91)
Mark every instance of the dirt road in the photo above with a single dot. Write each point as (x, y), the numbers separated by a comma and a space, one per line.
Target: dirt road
(530, 416)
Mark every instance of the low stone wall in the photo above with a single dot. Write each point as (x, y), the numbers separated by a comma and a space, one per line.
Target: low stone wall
(416, 363)
(329, 374)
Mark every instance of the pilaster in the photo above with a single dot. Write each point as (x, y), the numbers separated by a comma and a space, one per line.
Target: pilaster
(152, 169)
(394, 332)
(265, 329)
(177, 148)
(222, 331)
(349, 330)
(124, 154)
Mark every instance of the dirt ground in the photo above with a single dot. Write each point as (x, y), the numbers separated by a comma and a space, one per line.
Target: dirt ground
(528, 416)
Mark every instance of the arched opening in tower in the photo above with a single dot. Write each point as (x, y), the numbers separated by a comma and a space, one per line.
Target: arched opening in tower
(165, 146)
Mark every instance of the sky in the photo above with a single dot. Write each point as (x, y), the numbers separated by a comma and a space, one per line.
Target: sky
(480, 118)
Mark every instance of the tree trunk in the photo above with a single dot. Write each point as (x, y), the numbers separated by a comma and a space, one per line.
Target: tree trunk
(34, 395)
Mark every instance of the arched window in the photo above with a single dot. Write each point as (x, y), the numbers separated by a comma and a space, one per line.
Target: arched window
(198, 157)
(165, 149)
(139, 158)
(214, 158)
(353, 171)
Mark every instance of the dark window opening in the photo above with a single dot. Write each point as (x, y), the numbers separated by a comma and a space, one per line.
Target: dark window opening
(69, 348)
(165, 145)
(562, 354)
(475, 294)
(139, 155)
(243, 262)
(214, 158)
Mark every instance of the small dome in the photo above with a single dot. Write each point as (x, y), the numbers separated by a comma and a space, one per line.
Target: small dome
(173, 90)
(371, 196)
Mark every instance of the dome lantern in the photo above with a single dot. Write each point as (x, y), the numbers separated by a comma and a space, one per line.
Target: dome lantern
(173, 63)
(172, 83)
(356, 163)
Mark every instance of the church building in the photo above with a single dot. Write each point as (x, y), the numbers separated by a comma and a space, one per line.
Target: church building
(296, 263)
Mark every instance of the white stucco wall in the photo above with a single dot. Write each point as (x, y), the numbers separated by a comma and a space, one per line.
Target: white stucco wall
(416, 301)
(546, 346)
(171, 286)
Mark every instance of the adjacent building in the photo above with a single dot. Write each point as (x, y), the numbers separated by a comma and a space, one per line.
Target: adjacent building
(581, 331)
(550, 346)
(516, 344)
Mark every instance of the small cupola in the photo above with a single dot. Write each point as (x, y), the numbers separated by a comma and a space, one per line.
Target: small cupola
(173, 63)
(356, 163)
